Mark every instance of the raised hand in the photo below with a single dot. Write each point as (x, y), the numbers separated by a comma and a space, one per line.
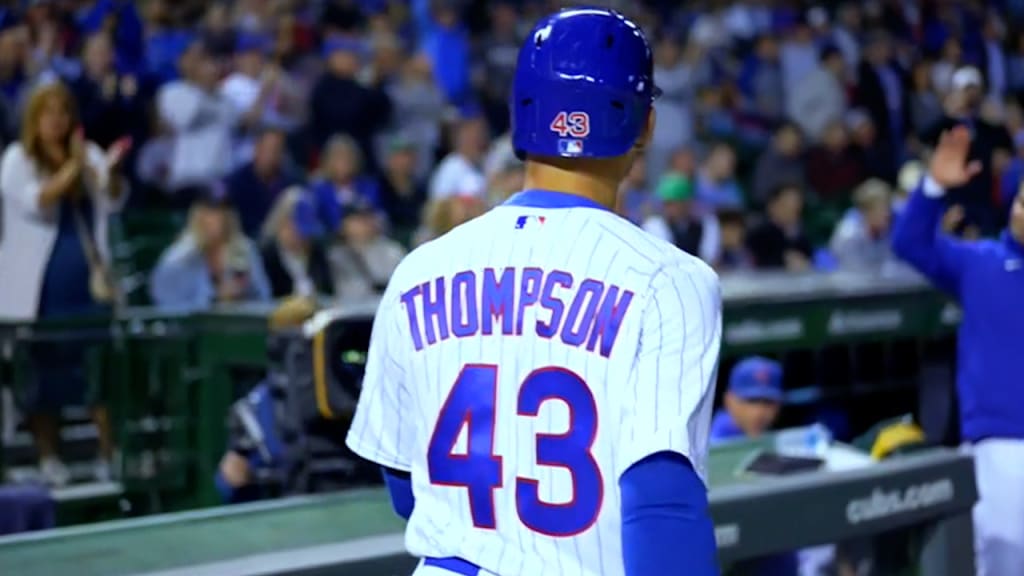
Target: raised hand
(949, 166)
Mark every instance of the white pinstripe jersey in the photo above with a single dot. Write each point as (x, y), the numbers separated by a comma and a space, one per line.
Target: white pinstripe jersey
(520, 364)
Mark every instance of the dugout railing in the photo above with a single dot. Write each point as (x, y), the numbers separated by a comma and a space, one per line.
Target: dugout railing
(847, 342)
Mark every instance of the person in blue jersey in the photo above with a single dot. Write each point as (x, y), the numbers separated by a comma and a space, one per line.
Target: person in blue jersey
(986, 277)
(752, 404)
(634, 502)
(752, 401)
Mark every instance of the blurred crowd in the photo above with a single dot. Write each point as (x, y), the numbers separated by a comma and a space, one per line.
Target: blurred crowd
(308, 144)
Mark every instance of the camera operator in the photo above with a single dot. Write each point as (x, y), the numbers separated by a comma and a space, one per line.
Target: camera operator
(258, 448)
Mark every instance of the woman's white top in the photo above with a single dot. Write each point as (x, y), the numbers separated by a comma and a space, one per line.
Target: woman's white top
(28, 233)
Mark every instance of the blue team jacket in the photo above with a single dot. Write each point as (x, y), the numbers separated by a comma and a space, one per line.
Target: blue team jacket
(987, 279)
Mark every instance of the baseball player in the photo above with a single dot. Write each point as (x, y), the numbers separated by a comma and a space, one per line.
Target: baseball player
(540, 379)
(987, 278)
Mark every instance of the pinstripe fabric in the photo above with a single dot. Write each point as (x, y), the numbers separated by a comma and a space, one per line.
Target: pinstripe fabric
(654, 391)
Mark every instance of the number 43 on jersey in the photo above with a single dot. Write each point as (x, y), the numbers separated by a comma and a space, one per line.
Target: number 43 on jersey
(472, 405)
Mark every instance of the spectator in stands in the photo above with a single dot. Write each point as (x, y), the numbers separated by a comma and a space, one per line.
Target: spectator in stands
(987, 140)
(861, 241)
(709, 29)
(734, 255)
(443, 215)
(684, 162)
(339, 104)
(363, 258)
(293, 256)
(110, 103)
(165, 42)
(212, 262)
(798, 55)
(876, 156)
(466, 158)
(387, 58)
(847, 33)
(295, 67)
(402, 193)
(882, 91)
(342, 18)
(779, 242)
(259, 93)
(674, 129)
(58, 192)
(14, 80)
(761, 79)
(1015, 66)
(254, 187)
(925, 103)
(504, 171)
(419, 107)
(679, 223)
(446, 41)
(820, 98)
(950, 59)
(1013, 174)
(216, 29)
(343, 183)
(635, 202)
(199, 122)
(498, 62)
(716, 182)
(782, 163)
(833, 168)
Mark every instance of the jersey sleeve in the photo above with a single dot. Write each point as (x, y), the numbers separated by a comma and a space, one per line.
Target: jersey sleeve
(668, 402)
(382, 429)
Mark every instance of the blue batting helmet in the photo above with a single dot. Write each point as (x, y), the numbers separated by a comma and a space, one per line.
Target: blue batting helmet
(583, 86)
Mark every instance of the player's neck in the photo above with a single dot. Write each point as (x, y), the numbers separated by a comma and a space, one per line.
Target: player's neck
(588, 183)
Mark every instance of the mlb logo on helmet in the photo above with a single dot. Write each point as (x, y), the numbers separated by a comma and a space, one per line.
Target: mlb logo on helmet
(570, 147)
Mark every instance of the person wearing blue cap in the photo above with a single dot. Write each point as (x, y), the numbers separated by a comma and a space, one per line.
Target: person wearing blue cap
(752, 404)
(752, 401)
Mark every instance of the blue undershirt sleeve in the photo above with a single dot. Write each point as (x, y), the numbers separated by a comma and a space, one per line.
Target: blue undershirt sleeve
(666, 524)
(400, 488)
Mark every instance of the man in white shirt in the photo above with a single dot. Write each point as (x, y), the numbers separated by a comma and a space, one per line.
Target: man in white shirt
(256, 92)
(470, 146)
(200, 121)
